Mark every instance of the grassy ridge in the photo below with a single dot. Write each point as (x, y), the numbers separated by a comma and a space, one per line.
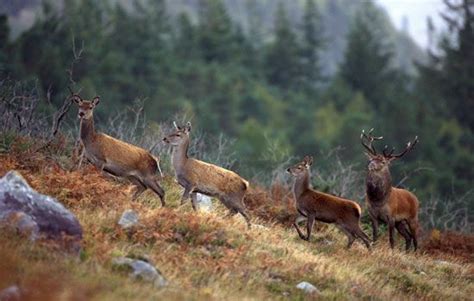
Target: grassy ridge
(206, 256)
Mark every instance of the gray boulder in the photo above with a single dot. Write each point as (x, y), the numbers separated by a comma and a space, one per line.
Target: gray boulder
(141, 270)
(34, 214)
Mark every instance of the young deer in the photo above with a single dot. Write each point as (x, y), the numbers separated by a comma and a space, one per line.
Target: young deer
(396, 207)
(198, 176)
(324, 207)
(117, 157)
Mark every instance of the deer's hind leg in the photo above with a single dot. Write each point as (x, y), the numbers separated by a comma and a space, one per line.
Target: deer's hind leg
(140, 187)
(402, 229)
(152, 183)
(413, 225)
(235, 205)
(350, 236)
(357, 232)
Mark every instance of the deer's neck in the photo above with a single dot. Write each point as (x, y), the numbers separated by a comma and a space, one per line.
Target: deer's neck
(180, 156)
(378, 186)
(87, 130)
(301, 185)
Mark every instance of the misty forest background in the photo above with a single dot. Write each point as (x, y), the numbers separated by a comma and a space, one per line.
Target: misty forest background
(274, 80)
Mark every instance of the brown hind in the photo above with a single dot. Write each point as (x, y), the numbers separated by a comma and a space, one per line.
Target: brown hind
(315, 205)
(116, 157)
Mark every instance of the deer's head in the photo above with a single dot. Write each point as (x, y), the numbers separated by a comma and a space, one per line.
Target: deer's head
(301, 168)
(179, 136)
(379, 162)
(86, 107)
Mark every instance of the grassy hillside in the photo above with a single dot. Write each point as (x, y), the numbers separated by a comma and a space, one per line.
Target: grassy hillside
(206, 256)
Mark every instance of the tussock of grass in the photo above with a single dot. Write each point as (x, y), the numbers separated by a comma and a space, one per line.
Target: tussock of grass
(207, 256)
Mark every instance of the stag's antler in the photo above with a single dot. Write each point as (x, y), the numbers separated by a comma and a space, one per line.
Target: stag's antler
(408, 148)
(370, 138)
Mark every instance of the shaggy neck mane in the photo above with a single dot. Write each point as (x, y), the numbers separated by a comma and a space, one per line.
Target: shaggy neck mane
(378, 186)
(301, 184)
(87, 129)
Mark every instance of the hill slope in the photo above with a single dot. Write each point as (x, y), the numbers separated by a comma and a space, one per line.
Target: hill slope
(204, 255)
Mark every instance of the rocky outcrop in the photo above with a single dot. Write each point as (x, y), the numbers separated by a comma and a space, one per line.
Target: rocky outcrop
(36, 215)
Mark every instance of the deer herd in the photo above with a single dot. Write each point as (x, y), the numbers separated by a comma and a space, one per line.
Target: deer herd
(397, 208)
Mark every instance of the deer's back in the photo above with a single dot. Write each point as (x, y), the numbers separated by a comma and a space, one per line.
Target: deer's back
(326, 207)
(123, 155)
(212, 179)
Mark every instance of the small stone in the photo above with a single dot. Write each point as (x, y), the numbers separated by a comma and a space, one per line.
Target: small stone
(11, 293)
(141, 270)
(128, 219)
(204, 202)
(308, 288)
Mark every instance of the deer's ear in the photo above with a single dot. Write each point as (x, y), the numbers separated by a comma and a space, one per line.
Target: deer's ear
(96, 100)
(188, 127)
(308, 161)
(77, 99)
(369, 156)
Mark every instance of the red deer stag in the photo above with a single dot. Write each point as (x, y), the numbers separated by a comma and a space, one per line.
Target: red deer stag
(117, 157)
(315, 205)
(396, 207)
(200, 177)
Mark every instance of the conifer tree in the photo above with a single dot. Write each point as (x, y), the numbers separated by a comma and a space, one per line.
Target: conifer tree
(366, 65)
(282, 65)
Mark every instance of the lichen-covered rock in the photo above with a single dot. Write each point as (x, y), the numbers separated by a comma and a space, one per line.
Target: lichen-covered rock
(141, 270)
(34, 214)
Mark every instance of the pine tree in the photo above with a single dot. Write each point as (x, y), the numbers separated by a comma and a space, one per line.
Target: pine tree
(217, 39)
(4, 42)
(366, 65)
(186, 46)
(453, 69)
(311, 47)
(282, 65)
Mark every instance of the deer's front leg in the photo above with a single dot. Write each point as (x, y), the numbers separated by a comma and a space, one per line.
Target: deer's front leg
(391, 232)
(375, 227)
(194, 200)
(309, 226)
(301, 235)
(188, 188)
(186, 194)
